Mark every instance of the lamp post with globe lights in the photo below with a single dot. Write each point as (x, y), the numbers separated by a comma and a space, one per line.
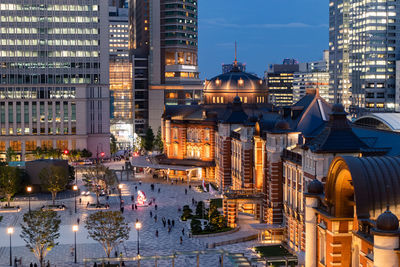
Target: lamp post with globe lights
(75, 229)
(138, 225)
(29, 190)
(75, 188)
(10, 231)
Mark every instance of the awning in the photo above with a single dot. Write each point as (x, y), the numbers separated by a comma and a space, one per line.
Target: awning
(143, 162)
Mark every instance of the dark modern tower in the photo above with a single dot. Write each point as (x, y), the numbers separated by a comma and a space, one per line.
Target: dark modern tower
(166, 32)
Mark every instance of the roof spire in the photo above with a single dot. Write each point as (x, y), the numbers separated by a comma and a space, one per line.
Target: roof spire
(235, 62)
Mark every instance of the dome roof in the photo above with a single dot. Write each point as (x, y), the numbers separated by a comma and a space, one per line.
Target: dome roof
(315, 187)
(235, 80)
(387, 221)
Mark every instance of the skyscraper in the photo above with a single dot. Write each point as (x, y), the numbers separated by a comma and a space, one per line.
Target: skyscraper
(167, 31)
(54, 75)
(122, 117)
(363, 52)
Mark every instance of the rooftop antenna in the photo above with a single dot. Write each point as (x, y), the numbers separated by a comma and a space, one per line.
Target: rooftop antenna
(235, 62)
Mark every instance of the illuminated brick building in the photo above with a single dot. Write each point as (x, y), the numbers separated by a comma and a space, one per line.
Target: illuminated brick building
(351, 223)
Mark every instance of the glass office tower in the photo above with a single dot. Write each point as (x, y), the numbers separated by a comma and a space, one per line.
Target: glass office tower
(54, 75)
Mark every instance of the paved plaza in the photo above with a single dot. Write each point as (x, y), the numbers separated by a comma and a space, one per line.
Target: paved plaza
(170, 198)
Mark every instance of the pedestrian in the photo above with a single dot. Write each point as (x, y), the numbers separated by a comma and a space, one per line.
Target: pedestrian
(15, 261)
(155, 218)
(164, 223)
(35, 265)
(133, 206)
(135, 187)
(95, 264)
(31, 265)
(155, 207)
(78, 220)
(123, 263)
(169, 222)
(158, 190)
(169, 229)
(156, 233)
(72, 251)
(183, 231)
(151, 214)
(107, 197)
(192, 200)
(185, 191)
(80, 201)
(190, 186)
(115, 254)
(122, 209)
(48, 263)
(87, 205)
(173, 223)
(132, 198)
(181, 240)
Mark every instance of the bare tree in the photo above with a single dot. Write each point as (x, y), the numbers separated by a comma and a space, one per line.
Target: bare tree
(10, 182)
(98, 178)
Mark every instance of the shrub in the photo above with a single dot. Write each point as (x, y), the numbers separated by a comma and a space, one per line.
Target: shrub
(195, 225)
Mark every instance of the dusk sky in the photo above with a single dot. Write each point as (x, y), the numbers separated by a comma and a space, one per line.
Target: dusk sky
(267, 31)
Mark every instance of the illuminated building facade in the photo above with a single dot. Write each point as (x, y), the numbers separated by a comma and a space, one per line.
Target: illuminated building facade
(54, 78)
(120, 75)
(312, 76)
(279, 79)
(166, 33)
(363, 54)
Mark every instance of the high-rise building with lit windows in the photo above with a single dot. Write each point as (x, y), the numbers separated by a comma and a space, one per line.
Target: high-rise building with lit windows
(167, 31)
(363, 45)
(54, 76)
(121, 90)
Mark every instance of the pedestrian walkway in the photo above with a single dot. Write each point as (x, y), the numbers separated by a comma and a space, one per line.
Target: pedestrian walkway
(170, 198)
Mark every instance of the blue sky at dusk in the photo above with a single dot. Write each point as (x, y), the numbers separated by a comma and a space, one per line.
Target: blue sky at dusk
(267, 31)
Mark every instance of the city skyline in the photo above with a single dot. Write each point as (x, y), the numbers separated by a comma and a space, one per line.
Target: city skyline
(283, 32)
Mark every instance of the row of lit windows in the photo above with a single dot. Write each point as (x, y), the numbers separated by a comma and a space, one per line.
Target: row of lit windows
(72, 19)
(80, 7)
(50, 42)
(37, 92)
(5, 30)
(32, 144)
(49, 78)
(49, 65)
(49, 54)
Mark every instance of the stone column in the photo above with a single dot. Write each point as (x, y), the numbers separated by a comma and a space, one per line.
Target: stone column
(311, 230)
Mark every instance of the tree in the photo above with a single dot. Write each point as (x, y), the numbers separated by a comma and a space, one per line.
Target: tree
(54, 153)
(11, 155)
(10, 182)
(158, 142)
(200, 209)
(109, 228)
(39, 231)
(113, 144)
(54, 179)
(98, 178)
(149, 140)
(38, 153)
(217, 221)
(195, 226)
(86, 153)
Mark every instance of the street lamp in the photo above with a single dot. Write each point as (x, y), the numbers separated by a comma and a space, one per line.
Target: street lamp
(10, 231)
(29, 190)
(138, 225)
(75, 188)
(75, 229)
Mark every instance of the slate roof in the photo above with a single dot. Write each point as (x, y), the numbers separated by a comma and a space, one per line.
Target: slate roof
(337, 136)
(376, 182)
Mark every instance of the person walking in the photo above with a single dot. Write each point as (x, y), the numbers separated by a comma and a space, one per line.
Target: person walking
(155, 218)
(185, 191)
(169, 222)
(78, 220)
(169, 229)
(183, 231)
(155, 207)
(133, 206)
(158, 190)
(151, 214)
(173, 223)
(35, 265)
(181, 240)
(31, 265)
(156, 233)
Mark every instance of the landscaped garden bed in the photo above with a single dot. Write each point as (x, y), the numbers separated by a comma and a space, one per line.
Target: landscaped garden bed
(100, 206)
(54, 207)
(276, 255)
(10, 209)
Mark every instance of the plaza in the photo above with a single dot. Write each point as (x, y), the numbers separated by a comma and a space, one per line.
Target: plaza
(168, 201)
